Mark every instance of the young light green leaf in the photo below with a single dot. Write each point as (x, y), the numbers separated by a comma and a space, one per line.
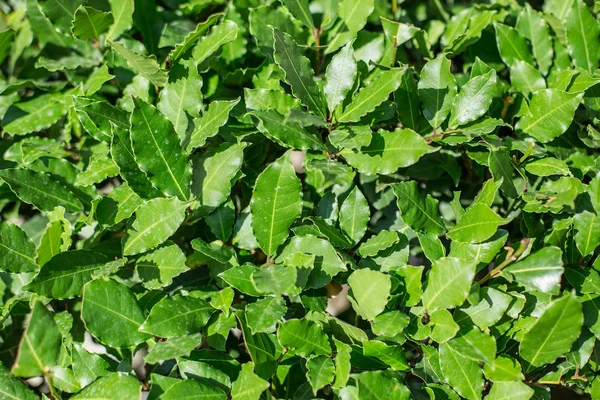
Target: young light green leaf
(354, 215)
(219, 35)
(17, 251)
(90, 23)
(190, 40)
(369, 292)
(552, 335)
(96, 79)
(65, 274)
(157, 151)
(34, 115)
(388, 151)
(298, 73)
(375, 93)
(122, 12)
(275, 204)
(437, 89)
(340, 76)
(551, 111)
(541, 270)
(194, 389)
(582, 36)
(155, 221)
(112, 314)
(377, 243)
(209, 124)
(275, 279)
(248, 385)
(510, 391)
(444, 327)
(478, 224)
(145, 66)
(87, 366)
(39, 345)
(448, 283)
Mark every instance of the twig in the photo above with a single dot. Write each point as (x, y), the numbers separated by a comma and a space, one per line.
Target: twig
(510, 257)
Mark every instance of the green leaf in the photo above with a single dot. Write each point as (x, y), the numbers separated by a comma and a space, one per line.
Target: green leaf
(326, 263)
(275, 204)
(157, 151)
(65, 274)
(548, 166)
(532, 25)
(287, 133)
(116, 385)
(320, 372)
(510, 391)
(444, 327)
(177, 316)
(541, 270)
(582, 36)
(550, 113)
(552, 335)
(512, 45)
(437, 90)
(473, 100)
(190, 40)
(181, 98)
(39, 345)
(377, 243)
(17, 251)
(221, 220)
(391, 355)
(274, 279)
(90, 23)
(87, 366)
(194, 389)
(463, 374)
(122, 12)
(34, 115)
(340, 76)
(587, 236)
(145, 66)
(122, 154)
(248, 385)
(155, 221)
(219, 35)
(369, 292)
(112, 314)
(13, 388)
(263, 315)
(354, 215)
(214, 172)
(478, 224)
(157, 268)
(372, 95)
(303, 337)
(209, 124)
(373, 385)
(419, 213)
(299, 9)
(298, 73)
(526, 78)
(176, 347)
(448, 283)
(388, 151)
(96, 79)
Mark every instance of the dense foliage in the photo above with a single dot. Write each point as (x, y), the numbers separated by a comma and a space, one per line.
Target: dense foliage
(250, 199)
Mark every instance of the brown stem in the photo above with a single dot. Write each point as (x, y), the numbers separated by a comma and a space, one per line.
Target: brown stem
(510, 257)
